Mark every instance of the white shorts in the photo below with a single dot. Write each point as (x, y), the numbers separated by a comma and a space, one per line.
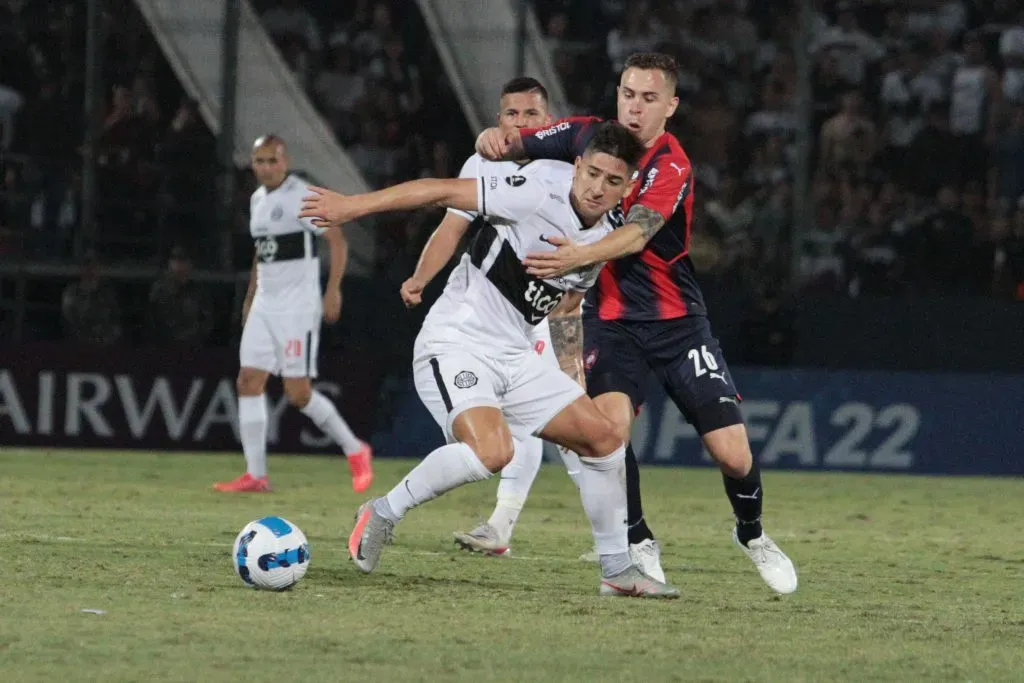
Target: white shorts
(529, 391)
(284, 344)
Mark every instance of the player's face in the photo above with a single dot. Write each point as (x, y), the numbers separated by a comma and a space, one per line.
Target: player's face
(523, 110)
(646, 101)
(600, 183)
(270, 164)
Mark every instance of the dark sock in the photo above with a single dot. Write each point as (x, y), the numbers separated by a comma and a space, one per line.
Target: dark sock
(638, 530)
(746, 496)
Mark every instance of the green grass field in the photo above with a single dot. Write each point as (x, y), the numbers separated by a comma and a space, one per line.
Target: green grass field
(908, 579)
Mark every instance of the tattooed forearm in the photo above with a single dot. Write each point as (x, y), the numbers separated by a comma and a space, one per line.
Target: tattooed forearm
(567, 342)
(649, 220)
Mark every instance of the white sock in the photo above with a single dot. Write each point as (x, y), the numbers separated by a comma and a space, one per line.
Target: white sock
(603, 491)
(444, 469)
(324, 415)
(513, 488)
(252, 429)
(572, 464)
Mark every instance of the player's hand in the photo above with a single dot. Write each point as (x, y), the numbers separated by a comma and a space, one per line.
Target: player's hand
(491, 144)
(332, 305)
(245, 311)
(412, 292)
(548, 264)
(329, 209)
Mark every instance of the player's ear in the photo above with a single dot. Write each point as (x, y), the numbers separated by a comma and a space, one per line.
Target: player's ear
(673, 104)
(576, 165)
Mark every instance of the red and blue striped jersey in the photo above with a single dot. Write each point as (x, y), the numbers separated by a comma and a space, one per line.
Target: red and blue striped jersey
(658, 283)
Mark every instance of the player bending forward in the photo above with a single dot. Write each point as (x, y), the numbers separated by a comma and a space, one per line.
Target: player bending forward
(524, 104)
(647, 311)
(474, 366)
(281, 318)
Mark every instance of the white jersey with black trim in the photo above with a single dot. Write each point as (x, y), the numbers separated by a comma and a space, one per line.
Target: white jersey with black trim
(287, 266)
(530, 169)
(490, 303)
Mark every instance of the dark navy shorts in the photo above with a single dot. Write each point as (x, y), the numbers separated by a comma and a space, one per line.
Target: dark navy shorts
(682, 354)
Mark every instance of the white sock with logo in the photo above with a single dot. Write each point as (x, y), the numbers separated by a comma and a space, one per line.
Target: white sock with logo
(572, 464)
(252, 431)
(324, 415)
(516, 479)
(444, 469)
(603, 491)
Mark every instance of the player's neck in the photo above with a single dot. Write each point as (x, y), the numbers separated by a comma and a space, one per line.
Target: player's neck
(271, 188)
(650, 143)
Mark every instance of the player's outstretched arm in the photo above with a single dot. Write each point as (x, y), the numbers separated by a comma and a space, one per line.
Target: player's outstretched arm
(642, 224)
(338, 247)
(438, 251)
(332, 209)
(566, 324)
(494, 144)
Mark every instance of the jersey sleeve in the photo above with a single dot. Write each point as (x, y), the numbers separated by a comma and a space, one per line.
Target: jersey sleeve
(507, 198)
(563, 140)
(470, 170)
(666, 184)
(588, 277)
(306, 223)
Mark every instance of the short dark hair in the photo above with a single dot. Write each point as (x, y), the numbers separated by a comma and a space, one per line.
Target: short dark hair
(651, 61)
(525, 84)
(615, 140)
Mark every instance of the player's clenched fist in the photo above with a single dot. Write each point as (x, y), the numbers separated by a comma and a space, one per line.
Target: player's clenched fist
(491, 144)
(327, 208)
(412, 292)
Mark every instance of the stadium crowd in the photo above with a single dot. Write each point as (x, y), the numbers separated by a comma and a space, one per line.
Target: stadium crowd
(917, 144)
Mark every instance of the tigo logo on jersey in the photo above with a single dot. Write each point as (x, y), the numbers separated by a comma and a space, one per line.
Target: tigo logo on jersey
(515, 180)
(547, 132)
(540, 303)
(649, 180)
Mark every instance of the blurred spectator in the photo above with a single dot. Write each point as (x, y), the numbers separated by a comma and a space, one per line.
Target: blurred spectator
(848, 140)
(769, 330)
(1006, 177)
(853, 48)
(339, 88)
(89, 307)
(291, 21)
(180, 308)
(974, 107)
(932, 160)
(943, 244)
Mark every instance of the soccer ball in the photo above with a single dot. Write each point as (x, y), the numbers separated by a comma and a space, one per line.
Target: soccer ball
(271, 553)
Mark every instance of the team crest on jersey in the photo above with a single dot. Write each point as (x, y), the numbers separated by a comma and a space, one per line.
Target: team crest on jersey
(276, 214)
(516, 180)
(617, 216)
(588, 362)
(266, 248)
(465, 380)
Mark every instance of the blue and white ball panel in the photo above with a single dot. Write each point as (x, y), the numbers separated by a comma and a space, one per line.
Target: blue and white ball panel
(271, 553)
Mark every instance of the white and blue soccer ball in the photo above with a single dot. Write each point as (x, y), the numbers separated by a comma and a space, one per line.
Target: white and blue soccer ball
(271, 554)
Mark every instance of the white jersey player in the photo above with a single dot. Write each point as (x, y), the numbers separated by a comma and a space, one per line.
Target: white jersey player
(281, 316)
(473, 363)
(524, 104)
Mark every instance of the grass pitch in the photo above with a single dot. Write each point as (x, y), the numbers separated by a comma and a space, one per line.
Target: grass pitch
(901, 579)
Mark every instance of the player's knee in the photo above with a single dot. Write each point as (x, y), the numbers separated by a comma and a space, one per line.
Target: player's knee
(730, 448)
(495, 450)
(250, 382)
(602, 439)
(298, 393)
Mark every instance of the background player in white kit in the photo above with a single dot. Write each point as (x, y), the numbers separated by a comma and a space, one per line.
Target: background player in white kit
(282, 315)
(523, 104)
(474, 366)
